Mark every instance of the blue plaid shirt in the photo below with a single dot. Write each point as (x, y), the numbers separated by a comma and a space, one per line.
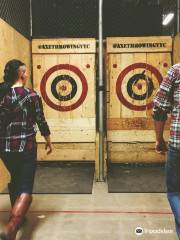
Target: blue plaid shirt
(167, 100)
(20, 134)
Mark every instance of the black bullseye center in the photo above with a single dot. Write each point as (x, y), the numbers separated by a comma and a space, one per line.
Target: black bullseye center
(133, 81)
(63, 88)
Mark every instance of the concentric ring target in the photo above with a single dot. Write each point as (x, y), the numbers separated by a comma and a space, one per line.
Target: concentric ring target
(133, 81)
(64, 94)
(57, 94)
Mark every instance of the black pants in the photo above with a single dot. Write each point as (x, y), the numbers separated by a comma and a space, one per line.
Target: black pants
(22, 167)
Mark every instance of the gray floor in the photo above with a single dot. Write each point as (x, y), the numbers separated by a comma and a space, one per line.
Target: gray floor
(64, 178)
(100, 215)
(136, 178)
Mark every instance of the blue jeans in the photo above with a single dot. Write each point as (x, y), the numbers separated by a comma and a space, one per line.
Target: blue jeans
(173, 184)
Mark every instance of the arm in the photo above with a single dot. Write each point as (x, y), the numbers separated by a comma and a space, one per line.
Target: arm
(42, 124)
(48, 144)
(162, 106)
(159, 129)
(160, 145)
(160, 118)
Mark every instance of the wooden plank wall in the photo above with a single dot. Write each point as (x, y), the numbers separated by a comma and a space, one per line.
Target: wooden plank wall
(176, 49)
(12, 45)
(4, 176)
(74, 131)
(129, 130)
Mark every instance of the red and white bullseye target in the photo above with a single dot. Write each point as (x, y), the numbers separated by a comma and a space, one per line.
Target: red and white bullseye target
(136, 86)
(64, 87)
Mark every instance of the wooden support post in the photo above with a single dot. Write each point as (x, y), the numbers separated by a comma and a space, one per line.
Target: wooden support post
(97, 157)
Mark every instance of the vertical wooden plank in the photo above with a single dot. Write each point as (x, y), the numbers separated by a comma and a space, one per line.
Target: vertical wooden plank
(88, 68)
(38, 71)
(50, 61)
(126, 60)
(140, 58)
(77, 61)
(165, 63)
(153, 59)
(107, 82)
(64, 59)
(114, 65)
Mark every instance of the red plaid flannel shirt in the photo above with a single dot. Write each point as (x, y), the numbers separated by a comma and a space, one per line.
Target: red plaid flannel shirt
(20, 134)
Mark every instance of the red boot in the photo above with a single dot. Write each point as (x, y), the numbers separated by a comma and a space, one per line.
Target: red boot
(18, 212)
(13, 196)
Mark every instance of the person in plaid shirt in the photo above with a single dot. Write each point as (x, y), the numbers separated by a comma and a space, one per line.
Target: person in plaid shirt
(18, 147)
(167, 100)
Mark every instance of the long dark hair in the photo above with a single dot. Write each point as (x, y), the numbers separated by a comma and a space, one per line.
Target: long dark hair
(10, 76)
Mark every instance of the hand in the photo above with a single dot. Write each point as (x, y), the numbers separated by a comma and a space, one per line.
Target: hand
(160, 147)
(48, 145)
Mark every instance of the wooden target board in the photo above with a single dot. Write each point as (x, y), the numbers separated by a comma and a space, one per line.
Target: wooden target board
(69, 88)
(136, 67)
(64, 75)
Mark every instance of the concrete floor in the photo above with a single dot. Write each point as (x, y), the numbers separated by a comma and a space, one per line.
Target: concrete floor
(97, 216)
